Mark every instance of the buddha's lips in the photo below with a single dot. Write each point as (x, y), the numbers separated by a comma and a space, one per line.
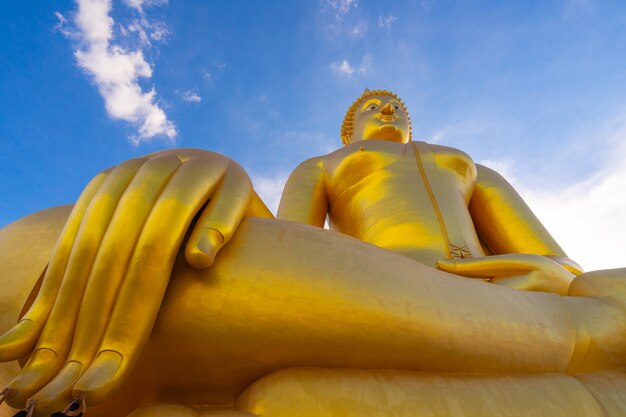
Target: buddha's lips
(387, 118)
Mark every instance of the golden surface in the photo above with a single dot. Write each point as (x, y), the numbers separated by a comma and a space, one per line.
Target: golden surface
(171, 283)
(378, 393)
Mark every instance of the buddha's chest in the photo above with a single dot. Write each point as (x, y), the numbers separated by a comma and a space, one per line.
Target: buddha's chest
(393, 170)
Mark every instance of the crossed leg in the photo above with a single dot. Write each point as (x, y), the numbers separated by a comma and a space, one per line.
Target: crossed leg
(282, 294)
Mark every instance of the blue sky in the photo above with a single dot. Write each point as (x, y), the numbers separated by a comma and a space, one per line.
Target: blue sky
(537, 90)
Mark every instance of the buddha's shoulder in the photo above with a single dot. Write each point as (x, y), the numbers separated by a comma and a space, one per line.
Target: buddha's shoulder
(441, 150)
(453, 159)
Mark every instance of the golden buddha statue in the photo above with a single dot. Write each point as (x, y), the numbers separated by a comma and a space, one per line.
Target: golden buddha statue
(172, 291)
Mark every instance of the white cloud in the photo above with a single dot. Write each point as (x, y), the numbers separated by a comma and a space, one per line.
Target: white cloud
(62, 25)
(587, 218)
(139, 4)
(504, 168)
(145, 30)
(316, 143)
(359, 30)
(191, 96)
(340, 7)
(159, 31)
(270, 188)
(116, 70)
(366, 63)
(344, 67)
(386, 21)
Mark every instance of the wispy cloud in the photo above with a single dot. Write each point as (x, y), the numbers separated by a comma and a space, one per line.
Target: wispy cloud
(386, 21)
(316, 143)
(62, 25)
(340, 7)
(208, 77)
(191, 96)
(115, 69)
(270, 188)
(359, 30)
(139, 4)
(344, 67)
(574, 8)
(588, 217)
(460, 129)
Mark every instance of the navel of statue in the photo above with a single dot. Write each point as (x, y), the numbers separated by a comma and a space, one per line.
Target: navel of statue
(171, 283)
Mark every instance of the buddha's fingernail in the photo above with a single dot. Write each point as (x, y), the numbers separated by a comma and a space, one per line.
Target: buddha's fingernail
(70, 373)
(36, 370)
(446, 264)
(214, 236)
(100, 373)
(62, 384)
(203, 254)
(17, 341)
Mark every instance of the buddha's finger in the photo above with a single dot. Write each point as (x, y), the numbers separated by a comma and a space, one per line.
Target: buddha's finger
(56, 337)
(493, 266)
(140, 295)
(220, 218)
(20, 340)
(109, 271)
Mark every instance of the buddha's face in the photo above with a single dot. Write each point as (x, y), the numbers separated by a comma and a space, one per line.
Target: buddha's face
(381, 117)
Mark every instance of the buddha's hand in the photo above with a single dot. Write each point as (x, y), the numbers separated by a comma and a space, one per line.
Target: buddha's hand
(108, 273)
(520, 271)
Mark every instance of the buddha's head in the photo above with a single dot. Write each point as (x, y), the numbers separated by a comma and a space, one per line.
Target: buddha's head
(377, 114)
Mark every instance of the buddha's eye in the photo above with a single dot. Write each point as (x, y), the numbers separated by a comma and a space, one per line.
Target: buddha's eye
(373, 107)
(397, 107)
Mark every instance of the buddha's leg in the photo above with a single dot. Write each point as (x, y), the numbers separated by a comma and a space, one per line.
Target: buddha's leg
(169, 410)
(284, 295)
(601, 328)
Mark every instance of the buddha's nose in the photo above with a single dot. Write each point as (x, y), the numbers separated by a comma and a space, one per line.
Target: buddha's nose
(387, 109)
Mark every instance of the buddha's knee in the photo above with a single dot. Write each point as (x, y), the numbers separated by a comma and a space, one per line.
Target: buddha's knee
(608, 285)
(600, 321)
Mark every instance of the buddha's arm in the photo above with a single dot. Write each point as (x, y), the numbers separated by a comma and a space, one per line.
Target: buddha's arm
(525, 256)
(304, 196)
(506, 223)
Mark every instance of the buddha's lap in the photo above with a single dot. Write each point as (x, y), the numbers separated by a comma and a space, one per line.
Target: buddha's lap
(283, 294)
(261, 307)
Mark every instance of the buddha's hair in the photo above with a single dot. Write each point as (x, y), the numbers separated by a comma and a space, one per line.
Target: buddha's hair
(347, 126)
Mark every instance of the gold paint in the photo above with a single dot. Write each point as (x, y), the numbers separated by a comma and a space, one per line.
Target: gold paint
(348, 125)
(432, 198)
(171, 290)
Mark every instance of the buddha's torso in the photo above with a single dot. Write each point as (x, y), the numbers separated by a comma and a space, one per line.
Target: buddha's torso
(409, 198)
